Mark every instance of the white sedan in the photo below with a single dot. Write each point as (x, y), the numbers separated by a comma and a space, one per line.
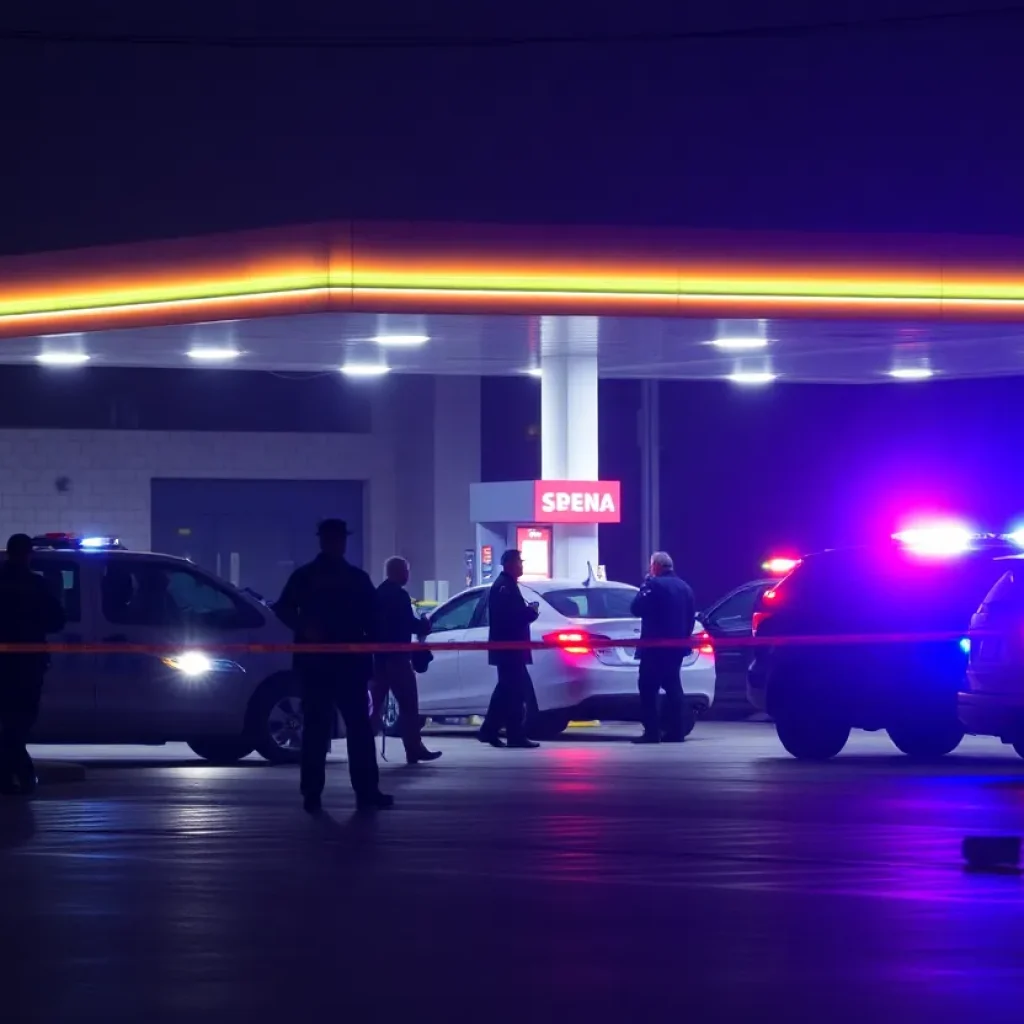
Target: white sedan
(573, 680)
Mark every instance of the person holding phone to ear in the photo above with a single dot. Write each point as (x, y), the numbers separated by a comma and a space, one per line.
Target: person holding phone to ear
(510, 618)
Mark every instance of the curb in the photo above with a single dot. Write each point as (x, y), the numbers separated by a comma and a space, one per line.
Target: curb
(51, 772)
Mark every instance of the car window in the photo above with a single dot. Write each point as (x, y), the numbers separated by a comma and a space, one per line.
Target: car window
(64, 582)
(737, 610)
(166, 595)
(456, 614)
(592, 602)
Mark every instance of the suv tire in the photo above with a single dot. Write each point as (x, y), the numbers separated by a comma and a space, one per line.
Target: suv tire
(275, 720)
(927, 740)
(809, 737)
(221, 749)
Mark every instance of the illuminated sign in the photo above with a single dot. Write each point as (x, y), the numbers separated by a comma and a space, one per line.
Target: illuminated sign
(576, 501)
(534, 544)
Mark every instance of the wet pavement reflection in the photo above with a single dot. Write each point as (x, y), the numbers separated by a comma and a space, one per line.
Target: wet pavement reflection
(716, 880)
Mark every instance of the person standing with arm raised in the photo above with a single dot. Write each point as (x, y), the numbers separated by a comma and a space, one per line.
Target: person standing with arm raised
(510, 618)
(667, 613)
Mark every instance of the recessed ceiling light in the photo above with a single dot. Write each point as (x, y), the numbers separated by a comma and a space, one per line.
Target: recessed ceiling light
(740, 344)
(402, 340)
(912, 372)
(365, 369)
(62, 358)
(212, 354)
(752, 377)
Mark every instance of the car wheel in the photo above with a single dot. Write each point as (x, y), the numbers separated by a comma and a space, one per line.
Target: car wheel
(689, 721)
(221, 749)
(547, 725)
(390, 717)
(810, 737)
(927, 740)
(275, 720)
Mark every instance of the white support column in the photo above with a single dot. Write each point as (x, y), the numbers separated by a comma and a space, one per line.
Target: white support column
(650, 471)
(568, 427)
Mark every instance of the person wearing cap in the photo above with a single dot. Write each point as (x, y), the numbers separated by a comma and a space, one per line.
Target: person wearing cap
(665, 607)
(331, 601)
(393, 671)
(509, 619)
(29, 612)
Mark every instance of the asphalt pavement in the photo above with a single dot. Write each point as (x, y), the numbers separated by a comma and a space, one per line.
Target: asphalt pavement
(717, 880)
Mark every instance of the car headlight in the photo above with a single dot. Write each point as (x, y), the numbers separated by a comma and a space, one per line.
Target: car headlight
(195, 663)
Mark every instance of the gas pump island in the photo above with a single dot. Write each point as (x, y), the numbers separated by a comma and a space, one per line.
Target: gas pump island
(553, 523)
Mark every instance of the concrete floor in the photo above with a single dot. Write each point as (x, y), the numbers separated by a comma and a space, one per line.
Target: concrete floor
(713, 881)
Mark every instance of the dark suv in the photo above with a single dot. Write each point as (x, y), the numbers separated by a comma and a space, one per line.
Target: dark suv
(870, 638)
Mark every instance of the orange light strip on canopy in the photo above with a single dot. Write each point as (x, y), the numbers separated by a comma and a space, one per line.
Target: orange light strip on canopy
(494, 270)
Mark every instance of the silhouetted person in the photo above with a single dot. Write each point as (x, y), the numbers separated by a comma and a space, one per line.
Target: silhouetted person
(509, 618)
(665, 607)
(29, 612)
(330, 601)
(393, 672)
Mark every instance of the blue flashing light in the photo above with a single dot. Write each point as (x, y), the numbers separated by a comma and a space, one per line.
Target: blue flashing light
(965, 645)
(92, 543)
(937, 539)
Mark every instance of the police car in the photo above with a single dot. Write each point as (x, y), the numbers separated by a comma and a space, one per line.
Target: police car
(224, 704)
(991, 703)
(873, 638)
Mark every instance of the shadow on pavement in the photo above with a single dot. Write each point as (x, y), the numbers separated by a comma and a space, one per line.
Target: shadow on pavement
(178, 762)
(17, 822)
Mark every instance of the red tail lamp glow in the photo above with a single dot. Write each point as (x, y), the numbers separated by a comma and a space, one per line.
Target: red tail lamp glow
(706, 646)
(768, 601)
(571, 641)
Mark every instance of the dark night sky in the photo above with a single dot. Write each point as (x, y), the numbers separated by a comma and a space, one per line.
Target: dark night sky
(899, 126)
(911, 126)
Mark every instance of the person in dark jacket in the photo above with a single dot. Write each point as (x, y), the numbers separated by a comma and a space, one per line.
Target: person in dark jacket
(666, 610)
(393, 671)
(29, 612)
(509, 618)
(331, 601)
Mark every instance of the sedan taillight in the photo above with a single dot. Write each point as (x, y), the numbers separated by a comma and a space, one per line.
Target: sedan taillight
(571, 641)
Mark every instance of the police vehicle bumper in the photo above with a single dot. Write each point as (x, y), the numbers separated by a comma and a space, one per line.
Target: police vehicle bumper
(992, 714)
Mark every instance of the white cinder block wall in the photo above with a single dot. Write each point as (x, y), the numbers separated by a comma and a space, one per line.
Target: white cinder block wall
(416, 492)
(108, 474)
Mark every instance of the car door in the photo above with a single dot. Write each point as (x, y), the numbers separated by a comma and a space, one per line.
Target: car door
(68, 708)
(178, 610)
(476, 676)
(730, 619)
(440, 687)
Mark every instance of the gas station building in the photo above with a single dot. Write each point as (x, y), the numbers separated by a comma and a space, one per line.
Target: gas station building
(416, 315)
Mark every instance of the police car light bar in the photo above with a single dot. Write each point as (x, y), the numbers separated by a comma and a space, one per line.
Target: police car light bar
(71, 542)
(780, 566)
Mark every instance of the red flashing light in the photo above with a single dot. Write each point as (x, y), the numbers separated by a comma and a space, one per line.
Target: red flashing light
(780, 566)
(706, 646)
(570, 641)
(769, 599)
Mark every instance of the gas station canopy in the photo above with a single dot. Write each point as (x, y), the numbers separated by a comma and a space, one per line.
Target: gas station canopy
(466, 299)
